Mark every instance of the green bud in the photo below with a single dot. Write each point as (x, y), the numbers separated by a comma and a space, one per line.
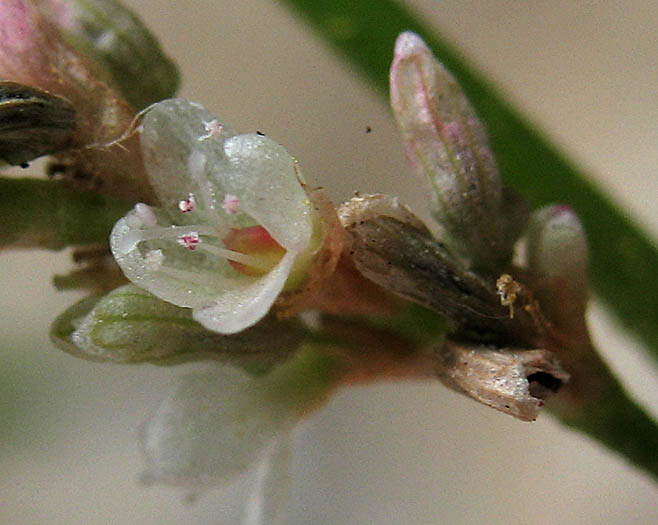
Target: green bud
(129, 325)
(114, 37)
(558, 262)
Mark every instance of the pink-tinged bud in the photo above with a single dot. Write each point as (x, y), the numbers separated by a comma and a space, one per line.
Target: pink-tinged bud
(116, 40)
(446, 142)
(34, 54)
(29, 45)
(558, 262)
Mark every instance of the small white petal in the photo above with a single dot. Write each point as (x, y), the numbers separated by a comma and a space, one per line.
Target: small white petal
(267, 179)
(215, 425)
(243, 306)
(170, 133)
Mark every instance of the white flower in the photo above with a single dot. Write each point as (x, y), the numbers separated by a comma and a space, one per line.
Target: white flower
(234, 220)
(213, 426)
(219, 423)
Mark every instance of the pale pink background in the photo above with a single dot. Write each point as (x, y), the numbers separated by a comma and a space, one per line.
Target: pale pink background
(391, 454)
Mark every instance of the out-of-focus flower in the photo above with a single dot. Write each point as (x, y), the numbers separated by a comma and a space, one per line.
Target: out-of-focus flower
(219, 423)
(446, 142)
(235, 224)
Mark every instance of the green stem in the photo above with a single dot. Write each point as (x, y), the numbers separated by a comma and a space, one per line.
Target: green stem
(48, 214)
(364, 32)
(614, 419)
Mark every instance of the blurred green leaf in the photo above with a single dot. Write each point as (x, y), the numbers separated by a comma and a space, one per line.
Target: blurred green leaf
(49, 214)
(624, 261)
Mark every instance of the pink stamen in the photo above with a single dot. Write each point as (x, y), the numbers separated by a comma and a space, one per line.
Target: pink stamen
(190, 241)
(213, 128)
(231, 204)
(187, 205)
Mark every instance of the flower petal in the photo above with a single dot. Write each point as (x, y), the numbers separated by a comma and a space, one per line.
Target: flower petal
(190, 278)
(244, 305)
(268, 182)
(214, 425)
(172, 130)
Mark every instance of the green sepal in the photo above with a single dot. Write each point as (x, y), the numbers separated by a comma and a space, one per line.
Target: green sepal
(129, 325)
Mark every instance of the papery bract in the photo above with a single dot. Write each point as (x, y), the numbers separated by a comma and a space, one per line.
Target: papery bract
(185, 252)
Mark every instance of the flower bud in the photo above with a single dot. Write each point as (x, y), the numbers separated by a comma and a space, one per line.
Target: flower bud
(34, 53)
(115, 38)
(129, 325)
(391, 247)
(446, 142)
(557, 260)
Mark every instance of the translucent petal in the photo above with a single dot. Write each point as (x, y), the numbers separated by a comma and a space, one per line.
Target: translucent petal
(266, 179)
(224, 300)
(244, 305)
(186, 278)
(171, 131)
(213, 426)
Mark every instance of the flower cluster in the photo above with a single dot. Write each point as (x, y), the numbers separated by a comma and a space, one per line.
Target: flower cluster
(223, 228)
